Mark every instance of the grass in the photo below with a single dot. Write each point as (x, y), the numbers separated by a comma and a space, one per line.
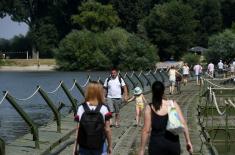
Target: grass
(29, 62)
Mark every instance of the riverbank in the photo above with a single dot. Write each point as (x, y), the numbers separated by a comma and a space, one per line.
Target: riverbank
(28, 65)
(29, 68)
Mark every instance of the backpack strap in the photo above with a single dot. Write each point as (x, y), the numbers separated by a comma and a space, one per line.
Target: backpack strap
(85, 107)
(170, 105)
(120, 79)
(109, 78)
(98, 107)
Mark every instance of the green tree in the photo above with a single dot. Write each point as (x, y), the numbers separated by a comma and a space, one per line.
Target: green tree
(140, 55)
(221, 46)
(46, 37)
(191, 58)
(208, 13)
(83, 50)
(4, 45)
(19, 44)
(32, 12)
(130, 12)
(227, 10)
(127, 51)
(78, 51)
(27, 11)
(171, 28)
(96, 17)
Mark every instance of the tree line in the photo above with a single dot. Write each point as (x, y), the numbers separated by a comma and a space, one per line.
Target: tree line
(89, 34)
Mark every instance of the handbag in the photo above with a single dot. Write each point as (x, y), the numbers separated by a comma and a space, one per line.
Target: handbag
(174, 124)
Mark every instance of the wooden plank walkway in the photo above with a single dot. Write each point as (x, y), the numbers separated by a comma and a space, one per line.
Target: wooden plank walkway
(126, 139)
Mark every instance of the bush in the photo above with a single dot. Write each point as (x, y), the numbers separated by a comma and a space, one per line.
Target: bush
(191, 59)
(83, 50)
(221, 46)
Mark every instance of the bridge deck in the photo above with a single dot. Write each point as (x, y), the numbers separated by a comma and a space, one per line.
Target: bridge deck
(126, 139)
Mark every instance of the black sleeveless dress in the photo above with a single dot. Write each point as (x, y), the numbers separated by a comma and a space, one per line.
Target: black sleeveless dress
(162, 142)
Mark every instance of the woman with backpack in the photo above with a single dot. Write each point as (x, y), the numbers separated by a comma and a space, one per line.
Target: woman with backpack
(93, 127)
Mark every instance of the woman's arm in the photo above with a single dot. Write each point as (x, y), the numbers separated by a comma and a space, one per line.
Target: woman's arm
(186, 132)
(178, 73)
(76, 139)
(108, 133)
(146, 129)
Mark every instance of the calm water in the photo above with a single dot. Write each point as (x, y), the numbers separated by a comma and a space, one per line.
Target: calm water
(23, 84)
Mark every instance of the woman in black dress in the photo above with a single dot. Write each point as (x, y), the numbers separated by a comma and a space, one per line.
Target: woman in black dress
(162, 142)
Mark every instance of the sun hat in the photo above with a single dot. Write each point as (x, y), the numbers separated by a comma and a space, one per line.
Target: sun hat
(137, 91)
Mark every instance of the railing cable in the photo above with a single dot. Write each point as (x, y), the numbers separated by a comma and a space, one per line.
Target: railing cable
(140, 73)
(73, 85)
(132, 74)
(216, 104)
(86, 81)
(24, 99)
(3, 97)
(52, 92)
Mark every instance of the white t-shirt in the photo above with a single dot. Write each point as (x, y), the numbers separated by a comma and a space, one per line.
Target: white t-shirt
(114, 87)
(197, 69)
(172, 73)
(185, 70)
(103, 110)
(211, 67)
(233, 63)
(220, 65)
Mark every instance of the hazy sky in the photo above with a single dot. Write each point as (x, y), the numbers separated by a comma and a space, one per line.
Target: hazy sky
(8, 28)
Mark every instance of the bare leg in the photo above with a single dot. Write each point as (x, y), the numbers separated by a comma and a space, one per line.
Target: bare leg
(117, 119)
(137, 115)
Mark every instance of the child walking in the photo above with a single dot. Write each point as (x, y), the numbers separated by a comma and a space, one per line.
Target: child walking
(140, 101)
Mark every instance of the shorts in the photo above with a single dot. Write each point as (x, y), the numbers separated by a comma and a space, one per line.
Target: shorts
(172, 82)
(114, 104)
(140, 105)
(185, 75)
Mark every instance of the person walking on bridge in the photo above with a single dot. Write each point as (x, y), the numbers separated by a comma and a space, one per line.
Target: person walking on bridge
(185, 69)
(115, 87)
(172, 78)
(198, 71)
(220, 67)
(162, 141)
(91, 135)
(210, 69)
(140, 102)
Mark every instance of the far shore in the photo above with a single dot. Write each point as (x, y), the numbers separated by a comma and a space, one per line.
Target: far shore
(29, 68)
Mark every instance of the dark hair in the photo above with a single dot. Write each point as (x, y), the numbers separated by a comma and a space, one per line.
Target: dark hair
(158, 89)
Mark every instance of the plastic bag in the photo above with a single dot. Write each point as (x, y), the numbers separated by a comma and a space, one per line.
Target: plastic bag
(174, 124)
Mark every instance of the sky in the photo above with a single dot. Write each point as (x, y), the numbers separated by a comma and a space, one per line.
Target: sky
(8, 28)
